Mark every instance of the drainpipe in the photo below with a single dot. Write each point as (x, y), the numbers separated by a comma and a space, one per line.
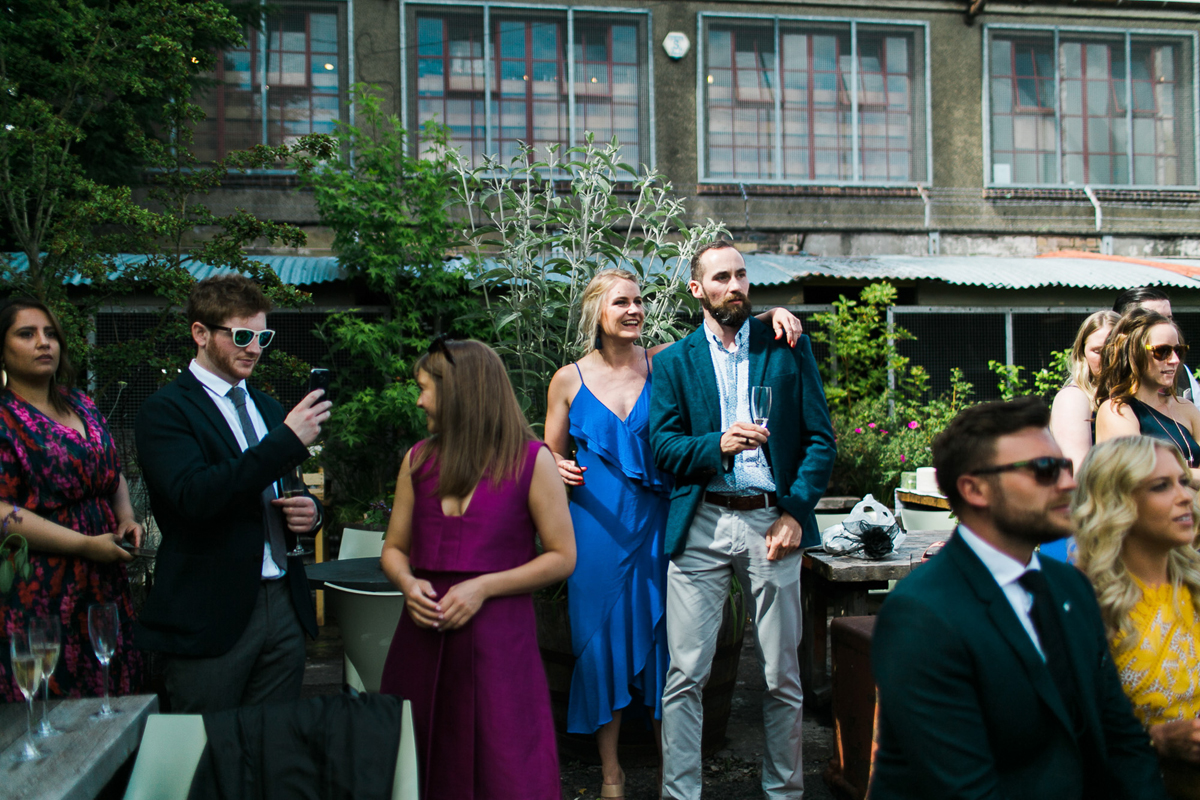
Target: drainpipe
(746, 210)
(1087, 189)
(921, 190)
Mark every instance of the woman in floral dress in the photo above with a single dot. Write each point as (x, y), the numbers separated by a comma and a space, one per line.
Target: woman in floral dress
(61, 488)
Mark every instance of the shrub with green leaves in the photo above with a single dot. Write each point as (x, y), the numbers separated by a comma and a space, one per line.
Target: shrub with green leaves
(538, 231)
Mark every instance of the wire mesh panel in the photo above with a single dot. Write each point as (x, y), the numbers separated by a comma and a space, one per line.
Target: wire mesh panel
(965, 339)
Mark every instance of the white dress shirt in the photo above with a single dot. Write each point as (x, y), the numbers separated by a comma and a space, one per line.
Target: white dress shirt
(1007, 571)
(732, 368)
(218, 389)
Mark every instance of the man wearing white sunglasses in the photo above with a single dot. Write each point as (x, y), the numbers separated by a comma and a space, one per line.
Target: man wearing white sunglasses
(229, 608)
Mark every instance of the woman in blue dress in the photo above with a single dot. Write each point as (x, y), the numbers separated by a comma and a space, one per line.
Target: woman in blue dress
(619, 502)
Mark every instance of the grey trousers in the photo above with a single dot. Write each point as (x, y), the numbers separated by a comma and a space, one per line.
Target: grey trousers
(720, 543)
(265, 664)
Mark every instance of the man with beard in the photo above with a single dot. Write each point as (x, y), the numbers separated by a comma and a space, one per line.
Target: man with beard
(735, 513)
(229, 606)
(993, 671)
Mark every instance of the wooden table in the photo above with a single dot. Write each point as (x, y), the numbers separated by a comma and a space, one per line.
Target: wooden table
(363, 574)
(80, 762)
(837, 586)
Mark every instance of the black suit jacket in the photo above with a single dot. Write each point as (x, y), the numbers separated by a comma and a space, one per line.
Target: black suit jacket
(967, 707)
(206, 497)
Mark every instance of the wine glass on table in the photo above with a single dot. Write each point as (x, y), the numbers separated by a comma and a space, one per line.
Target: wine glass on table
(760, 413)
(27, 670)
(292, 485)
(45, 639)
(104, 627)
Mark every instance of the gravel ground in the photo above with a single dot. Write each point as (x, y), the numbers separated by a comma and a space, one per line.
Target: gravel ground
(732, 774)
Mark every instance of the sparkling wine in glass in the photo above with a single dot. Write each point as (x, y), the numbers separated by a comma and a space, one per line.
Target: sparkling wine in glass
(27, 670)
(45, 639)
(760, 413)
(292, 485)
(104, 627)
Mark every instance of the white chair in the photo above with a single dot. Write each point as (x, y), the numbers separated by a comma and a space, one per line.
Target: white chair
(173, 743)
(359, 543)
(167, 758)
(368, 621)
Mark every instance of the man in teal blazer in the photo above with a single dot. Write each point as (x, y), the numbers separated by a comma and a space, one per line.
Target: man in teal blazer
(994, 674)
(743, 503)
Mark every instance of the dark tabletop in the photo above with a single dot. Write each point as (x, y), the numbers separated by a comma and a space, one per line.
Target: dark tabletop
(363, 574)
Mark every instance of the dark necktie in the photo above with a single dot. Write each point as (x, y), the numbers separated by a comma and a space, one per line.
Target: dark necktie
(272, 517)
(1050, 633)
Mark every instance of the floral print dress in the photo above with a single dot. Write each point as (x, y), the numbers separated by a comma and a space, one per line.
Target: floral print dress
(71, 479)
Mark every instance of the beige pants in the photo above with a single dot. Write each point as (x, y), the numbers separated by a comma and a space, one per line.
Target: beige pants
(721, 543)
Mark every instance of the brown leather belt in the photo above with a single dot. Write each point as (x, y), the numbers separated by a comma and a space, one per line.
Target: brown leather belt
(742, 502)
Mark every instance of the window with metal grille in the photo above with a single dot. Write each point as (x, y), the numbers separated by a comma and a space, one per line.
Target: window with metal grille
(505, 77)
(1073, 107)
(292, 68)
(851, 108)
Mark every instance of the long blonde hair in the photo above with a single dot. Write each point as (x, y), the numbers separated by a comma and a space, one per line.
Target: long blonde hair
(1104, 510)
(479, 425)
(1080, 374)
(591, 305)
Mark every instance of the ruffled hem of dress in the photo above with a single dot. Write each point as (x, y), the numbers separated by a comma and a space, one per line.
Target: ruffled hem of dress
(627, 452)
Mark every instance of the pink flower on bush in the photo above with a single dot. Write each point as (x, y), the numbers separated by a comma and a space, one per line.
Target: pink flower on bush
(914, 425)
(902, 459)
(858, 430)
(870, 424)
(884, 431)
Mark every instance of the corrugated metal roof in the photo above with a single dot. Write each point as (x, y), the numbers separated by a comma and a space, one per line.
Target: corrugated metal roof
(992, 272)
(299, 270)
(773, 269)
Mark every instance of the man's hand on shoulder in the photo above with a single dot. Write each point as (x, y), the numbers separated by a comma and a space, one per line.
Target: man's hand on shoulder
(306, 418)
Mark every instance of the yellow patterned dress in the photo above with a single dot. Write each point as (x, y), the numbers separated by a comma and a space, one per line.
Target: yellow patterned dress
(1161, 672)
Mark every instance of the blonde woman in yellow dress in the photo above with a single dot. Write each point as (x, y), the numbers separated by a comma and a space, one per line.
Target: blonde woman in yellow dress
(1137, 520)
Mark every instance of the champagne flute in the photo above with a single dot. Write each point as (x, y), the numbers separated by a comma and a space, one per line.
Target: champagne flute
(27, 670)
(45, 638)
(760, 413)
(104, 627)
(292, 485)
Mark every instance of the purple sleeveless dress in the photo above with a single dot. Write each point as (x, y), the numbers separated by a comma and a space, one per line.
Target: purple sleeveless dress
(481, 706)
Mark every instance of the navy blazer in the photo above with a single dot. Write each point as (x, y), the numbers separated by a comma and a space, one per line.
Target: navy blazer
(206, 494)
(968, 709)
(685, 426)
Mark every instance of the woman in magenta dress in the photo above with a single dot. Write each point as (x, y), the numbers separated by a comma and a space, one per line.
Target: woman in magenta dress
(61, 488)
(470, 500)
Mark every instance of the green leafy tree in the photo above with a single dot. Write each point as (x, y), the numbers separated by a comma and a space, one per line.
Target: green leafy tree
(538, 231)
(862, 350)
(391, 213)
(1046, 381)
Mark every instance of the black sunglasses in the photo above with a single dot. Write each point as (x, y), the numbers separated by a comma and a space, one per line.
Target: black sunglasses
(242, 337)
(1162, 352)
(438, 345)
(1045, 469)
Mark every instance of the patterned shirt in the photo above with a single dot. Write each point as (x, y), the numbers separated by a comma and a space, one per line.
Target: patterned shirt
(1161, 671)
(733, 385)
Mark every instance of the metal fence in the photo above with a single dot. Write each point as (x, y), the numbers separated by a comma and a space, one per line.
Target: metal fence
(968, 337)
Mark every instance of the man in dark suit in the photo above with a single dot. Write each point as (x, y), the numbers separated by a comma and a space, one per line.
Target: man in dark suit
(994, 675)
(733, 512)
(228, 608)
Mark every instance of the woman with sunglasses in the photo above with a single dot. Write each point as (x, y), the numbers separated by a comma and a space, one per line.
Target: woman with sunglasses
(619, 502)
(61, 488)
(1136, 525)
(1136, 391)
(471, 500)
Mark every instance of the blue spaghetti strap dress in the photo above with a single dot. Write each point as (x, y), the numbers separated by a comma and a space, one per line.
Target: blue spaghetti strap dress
(617, 595)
